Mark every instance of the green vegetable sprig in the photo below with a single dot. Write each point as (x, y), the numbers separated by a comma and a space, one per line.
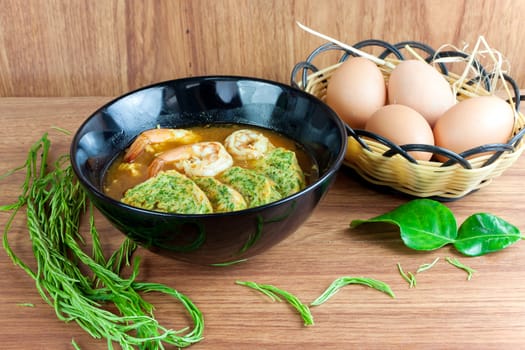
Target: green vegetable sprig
(455, 262)
(426, 224)
(275, 294)
(54, 203)
(410, 277)
(407, 276)
(427, 266)
(341, 282)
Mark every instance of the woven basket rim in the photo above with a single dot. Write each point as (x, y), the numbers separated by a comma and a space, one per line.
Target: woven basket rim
(494, 164)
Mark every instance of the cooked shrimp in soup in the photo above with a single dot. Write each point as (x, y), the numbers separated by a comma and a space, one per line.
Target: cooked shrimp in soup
(198, 159)
(222, 168)
(247, 144)
(158, 136)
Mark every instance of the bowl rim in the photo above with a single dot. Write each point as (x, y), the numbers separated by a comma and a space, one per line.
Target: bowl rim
(336, 164)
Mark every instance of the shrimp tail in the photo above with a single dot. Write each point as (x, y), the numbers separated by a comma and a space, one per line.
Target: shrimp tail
(136, 148)
(156, 136)
(155, 167)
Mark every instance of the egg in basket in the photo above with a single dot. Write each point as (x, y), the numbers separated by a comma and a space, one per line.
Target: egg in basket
(424, 122)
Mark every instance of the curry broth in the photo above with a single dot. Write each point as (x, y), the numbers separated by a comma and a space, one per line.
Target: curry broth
(122, 176)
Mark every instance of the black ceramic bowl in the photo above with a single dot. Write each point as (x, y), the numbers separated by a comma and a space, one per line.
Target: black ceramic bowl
(209, 238)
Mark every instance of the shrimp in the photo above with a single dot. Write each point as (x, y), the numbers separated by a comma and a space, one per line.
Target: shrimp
(247, 144)
(156, 136)
(197, 159)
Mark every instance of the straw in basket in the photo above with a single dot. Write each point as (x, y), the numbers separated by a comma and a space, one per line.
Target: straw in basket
(383, 163)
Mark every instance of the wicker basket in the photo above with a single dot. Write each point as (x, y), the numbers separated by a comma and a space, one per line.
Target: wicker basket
(380, 162)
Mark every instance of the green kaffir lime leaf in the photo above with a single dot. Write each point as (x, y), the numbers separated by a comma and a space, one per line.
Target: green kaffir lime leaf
(485, 233)
(424, 224)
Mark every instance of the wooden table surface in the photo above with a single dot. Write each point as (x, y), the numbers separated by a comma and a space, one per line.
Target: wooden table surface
(444, 311)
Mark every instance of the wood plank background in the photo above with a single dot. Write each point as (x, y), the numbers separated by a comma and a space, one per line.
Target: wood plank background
(107, 47)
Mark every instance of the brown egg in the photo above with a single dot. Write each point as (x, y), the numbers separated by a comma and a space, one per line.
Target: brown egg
(418, 85)
(474, 122)
(356, 90)
(402, 125)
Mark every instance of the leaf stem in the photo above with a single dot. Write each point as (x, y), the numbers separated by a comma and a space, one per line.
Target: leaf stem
(229, 263)
(407, 276)
(26, 304)
(344, 281)
(275, 294)
(425, 267)
(455, 262)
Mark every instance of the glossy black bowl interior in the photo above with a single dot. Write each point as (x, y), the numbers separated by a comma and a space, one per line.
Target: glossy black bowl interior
(209, 238)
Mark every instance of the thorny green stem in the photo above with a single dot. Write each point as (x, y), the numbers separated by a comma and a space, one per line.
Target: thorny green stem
(54, 204)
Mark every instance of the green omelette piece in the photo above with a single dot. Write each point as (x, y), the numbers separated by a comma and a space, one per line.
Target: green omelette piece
(282, 167)
(223, 198)
(256, 188)
(171, 192)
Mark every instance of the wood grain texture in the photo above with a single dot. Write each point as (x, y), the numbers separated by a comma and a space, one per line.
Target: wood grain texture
(104, 48)
(444, 311)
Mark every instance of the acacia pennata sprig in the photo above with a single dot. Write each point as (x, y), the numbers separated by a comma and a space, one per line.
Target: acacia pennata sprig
(100, 300)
